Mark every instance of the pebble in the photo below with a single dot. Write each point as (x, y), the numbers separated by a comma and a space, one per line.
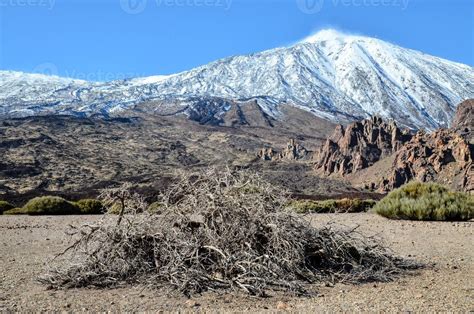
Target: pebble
(191, 303)
(282, 305)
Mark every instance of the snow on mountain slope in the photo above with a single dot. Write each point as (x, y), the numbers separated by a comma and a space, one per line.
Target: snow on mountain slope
(26, 94)
(333, 75)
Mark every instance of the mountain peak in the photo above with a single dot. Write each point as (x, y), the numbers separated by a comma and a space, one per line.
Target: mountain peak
(329, 34)
(337, 76)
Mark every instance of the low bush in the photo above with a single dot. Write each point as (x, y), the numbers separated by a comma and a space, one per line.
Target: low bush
(90, 207)
(116, 209)
(5, 206)
(213, 235)
(49, 205)
(155, 208)
(332, 206)
(426, 201)
(14, 211)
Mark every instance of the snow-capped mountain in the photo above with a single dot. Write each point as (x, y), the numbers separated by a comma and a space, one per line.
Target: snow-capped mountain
(333, 75)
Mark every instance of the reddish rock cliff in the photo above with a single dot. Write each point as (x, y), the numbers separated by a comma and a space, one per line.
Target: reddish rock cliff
(361, 150)
(443, 156)
(359, 146)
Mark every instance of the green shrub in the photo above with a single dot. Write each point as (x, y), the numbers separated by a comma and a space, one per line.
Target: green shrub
(114, 209)
(5, 206)
(332, 206)
(309, 206)
(14, 211)
(155, 207)
(249, 189)
(50, 205)
(90, 207)
(426, 201)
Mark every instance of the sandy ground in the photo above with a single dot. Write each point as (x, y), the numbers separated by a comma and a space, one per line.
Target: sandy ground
(27, 243)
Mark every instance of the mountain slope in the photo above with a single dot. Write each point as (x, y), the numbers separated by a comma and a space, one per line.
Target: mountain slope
(335, 76)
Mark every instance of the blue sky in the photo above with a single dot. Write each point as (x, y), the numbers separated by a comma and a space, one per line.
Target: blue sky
(113, 39)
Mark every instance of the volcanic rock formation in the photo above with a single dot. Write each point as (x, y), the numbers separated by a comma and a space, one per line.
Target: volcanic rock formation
(359, 146)
(463, 121)
(293, 151)
(443, 156)
(380, 156)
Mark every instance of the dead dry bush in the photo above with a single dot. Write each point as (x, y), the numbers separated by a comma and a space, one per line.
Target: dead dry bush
(220, 231)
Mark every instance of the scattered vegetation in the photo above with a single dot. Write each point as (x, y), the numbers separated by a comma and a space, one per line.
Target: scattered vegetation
(155, 207)
(90, 207)
(14, 211)
(53, 205)
(113, 209)
(426, 201)
(50, 205)
(5, 206)
(218, 231)
(332, 206)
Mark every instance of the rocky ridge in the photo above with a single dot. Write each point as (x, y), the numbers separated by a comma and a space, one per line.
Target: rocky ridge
(382, 157)
(463, 121)
(359, 146)
(443, 156)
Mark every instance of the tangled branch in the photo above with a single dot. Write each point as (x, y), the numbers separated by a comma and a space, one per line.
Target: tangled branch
(222, 230)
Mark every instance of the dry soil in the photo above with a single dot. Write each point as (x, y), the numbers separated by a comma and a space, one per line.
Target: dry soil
(28, 243)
